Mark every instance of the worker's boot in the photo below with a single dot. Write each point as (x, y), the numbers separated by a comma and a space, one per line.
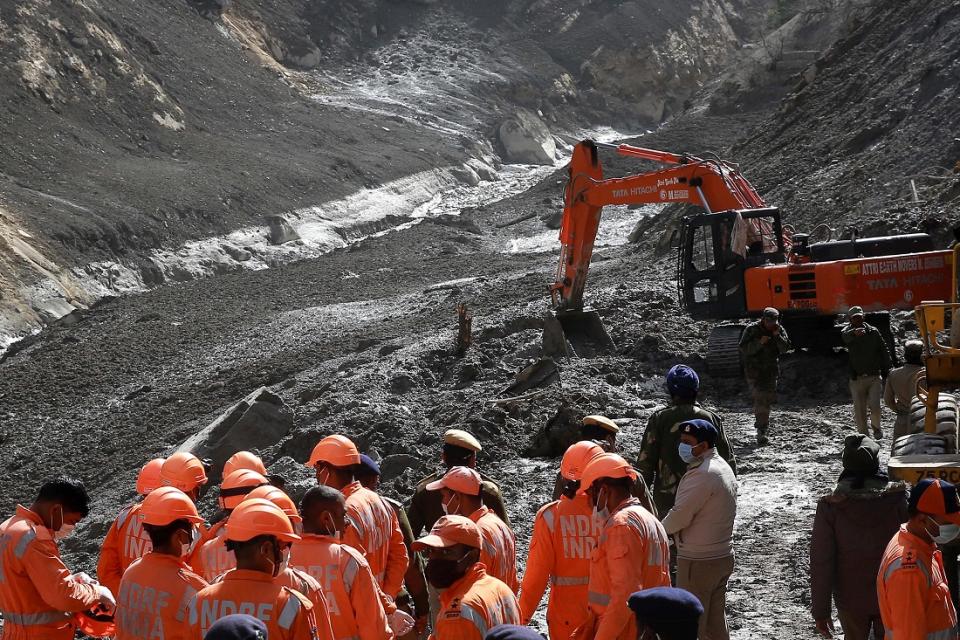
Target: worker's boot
(761, 433)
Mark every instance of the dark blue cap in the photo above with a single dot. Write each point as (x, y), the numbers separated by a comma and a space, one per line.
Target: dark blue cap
(682, 381)
(702, 430)
(368, 465)
(668, 610)
(512, 632)
(237, 626)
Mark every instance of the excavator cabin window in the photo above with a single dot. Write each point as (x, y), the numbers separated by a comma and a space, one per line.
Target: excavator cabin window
(716, 249)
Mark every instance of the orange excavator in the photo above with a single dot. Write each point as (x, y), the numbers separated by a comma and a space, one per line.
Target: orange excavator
(736, 258)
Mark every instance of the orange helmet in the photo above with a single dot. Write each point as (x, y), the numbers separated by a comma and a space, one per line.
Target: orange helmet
(607, 465)
(259, 517)
(237, 485)
(244, 460)
(279, 498)
(96, 623)
(184, 471)
(576, 458)
(168, 504)
(336, 450)
(149, 477)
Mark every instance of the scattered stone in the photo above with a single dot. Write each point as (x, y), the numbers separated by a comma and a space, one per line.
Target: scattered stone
(145, 388)
(466, 175)
(527, 140)
(281, 230)
(238, 254)
(258, 421)
(401, 383)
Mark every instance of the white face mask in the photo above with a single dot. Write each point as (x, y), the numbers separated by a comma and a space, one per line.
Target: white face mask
(947, 532)
(64, 531)
(284, 560)
(186, 548)
(601, 514)
(448, 507)
(686, 452)
(323, 476)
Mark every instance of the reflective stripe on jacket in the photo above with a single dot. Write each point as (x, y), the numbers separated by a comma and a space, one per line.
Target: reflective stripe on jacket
(473, 605)
(37, 593)
(913, 593)
(633, 554)
(126, 541)
(565, 534)
(353, 597)
(373, 529)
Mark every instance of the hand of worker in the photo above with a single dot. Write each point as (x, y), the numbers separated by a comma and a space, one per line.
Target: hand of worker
(825, 627)
(83, 578)
(401, 623)
(107, 601)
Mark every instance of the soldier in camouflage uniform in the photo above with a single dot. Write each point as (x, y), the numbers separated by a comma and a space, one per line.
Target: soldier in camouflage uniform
(659, 462)
(761, 345)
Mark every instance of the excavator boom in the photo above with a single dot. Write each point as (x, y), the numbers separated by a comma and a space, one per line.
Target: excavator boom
(713, 184)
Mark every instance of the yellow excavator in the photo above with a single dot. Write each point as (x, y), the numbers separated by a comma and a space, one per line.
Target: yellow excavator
(931, 451)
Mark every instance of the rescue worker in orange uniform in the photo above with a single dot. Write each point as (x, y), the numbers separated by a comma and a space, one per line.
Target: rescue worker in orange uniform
(912, 586)
(260, 534)
(355, 601)
(156, 590)
(413, 598)
(372, 526)
(460, 494)
(633, 552)
(565, 533)
(211, 558)
(289, 576)
(471, 602)
(37, 592)
(126, 540)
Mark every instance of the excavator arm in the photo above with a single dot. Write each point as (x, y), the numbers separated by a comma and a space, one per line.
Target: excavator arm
(712, 184)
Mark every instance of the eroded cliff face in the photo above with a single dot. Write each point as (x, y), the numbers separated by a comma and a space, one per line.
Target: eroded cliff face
(141, 145)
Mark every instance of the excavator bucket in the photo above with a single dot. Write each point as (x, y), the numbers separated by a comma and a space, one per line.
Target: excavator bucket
(578, 334)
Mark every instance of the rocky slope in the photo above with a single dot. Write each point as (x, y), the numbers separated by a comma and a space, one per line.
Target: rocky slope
(129, 133)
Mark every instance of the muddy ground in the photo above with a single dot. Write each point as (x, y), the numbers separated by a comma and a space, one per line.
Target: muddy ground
(360, 341)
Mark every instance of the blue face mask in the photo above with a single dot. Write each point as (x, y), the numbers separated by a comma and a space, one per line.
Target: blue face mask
(686, 452)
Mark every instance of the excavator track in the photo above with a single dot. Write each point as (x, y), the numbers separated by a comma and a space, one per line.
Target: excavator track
(723, 351)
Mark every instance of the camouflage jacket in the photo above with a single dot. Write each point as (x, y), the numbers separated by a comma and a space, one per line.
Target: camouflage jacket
(659, 462)
(761, 362)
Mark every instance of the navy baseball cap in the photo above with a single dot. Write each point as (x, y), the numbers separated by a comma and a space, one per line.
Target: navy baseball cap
(512, 632)
(368, 465)
(702, 430)
(668, 610)
(682, 380)
(936, 498)
(237, 626)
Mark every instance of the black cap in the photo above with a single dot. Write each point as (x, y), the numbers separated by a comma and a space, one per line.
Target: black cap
(512, 632)
(668, 610)
(237, 626)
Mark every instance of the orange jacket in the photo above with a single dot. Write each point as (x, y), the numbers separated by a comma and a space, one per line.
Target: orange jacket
(210, 558)
(353, 597)
(125, 542)
(633, 553)
(912, 590)
(473, 605)
(288, 614)
(154, 598)
(37, 593)
(373, 529)
(499, 552)
(565, 533)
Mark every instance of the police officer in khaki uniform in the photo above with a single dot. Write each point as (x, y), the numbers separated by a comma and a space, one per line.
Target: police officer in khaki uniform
(459, 450)
(603, 431)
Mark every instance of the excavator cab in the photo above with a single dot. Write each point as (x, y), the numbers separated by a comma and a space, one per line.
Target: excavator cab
(715, 250)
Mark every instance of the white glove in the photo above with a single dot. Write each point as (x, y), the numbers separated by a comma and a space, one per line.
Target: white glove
(107, 601)
(83, 578)
(401, 623)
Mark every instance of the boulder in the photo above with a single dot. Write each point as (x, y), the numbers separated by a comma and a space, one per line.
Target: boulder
(483, 170)
(258, 421)
(466, 175)
(281, 231)
(527, 140)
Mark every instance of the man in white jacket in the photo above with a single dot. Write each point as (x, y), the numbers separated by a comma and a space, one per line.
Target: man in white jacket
(701, 522)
